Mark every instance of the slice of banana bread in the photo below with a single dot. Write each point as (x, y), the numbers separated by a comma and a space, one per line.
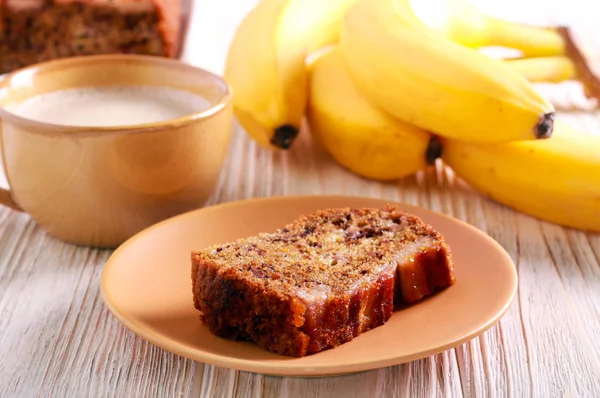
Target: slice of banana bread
(319, 281)
(33, 31)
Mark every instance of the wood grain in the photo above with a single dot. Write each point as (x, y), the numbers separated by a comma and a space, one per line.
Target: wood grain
(58, 339)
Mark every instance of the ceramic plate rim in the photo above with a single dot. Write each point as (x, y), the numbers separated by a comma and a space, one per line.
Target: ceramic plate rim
(275, 368)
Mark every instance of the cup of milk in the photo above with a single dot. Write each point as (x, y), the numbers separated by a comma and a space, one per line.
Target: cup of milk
(97, 148)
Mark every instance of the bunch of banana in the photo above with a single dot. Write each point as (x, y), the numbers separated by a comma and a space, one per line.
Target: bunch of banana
(266, 60)
(370, 142)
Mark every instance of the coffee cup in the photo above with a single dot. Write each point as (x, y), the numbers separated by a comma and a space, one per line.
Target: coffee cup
(87, 177)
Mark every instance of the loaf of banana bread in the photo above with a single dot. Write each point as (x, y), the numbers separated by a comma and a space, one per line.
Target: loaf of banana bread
(32, 31)
(319, 281)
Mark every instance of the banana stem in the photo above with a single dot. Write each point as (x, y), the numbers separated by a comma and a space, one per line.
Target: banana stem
(532, 41)
(585, 74)
(434, 150)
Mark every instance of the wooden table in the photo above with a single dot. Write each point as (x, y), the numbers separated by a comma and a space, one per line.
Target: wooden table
(58, 339)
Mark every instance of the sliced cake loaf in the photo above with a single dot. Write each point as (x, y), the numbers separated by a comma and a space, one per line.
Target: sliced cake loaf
(320, 281)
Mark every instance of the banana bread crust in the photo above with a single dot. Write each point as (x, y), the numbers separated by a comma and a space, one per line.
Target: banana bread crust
(319, 281)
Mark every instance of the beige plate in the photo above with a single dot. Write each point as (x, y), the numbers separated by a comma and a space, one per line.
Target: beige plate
(146, 284)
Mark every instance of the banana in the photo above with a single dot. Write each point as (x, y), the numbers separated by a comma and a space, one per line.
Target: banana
(359, 136)
(544, 69)
(419, 76)
(266, 67)
(368, 141)
(557, 180)
(462, 22)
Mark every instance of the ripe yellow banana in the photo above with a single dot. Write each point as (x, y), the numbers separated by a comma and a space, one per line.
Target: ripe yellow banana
(266, 64)
(359, 136)
(557, 69)
(462, 22)
(419, 76)
(557, 180)
(544, 69)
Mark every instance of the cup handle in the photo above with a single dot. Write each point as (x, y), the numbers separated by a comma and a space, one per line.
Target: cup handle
(6, 199)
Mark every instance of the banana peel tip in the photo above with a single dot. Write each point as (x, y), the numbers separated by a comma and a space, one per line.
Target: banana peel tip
(545, 126)
(284, 136)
